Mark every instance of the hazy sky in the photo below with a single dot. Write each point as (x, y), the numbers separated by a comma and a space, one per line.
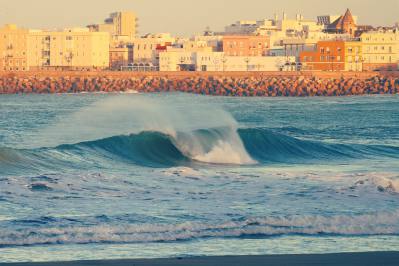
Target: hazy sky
(186, 17)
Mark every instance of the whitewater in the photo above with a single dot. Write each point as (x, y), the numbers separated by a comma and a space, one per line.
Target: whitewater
(136, 176)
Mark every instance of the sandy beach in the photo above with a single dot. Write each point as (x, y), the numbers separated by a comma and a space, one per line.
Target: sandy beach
(350, 259)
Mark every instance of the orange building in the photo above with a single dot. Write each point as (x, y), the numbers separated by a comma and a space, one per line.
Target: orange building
(246, 45)
(329, 56)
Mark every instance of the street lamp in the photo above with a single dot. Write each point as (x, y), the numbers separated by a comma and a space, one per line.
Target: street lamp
(216, 64)
(181, 63)
(224, 60)
(363, 60)
(69, 58)
(247, 61)
(331, 58)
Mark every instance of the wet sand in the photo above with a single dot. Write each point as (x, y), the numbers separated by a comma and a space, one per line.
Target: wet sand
(344, 259)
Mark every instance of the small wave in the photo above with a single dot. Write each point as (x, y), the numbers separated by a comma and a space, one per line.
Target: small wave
(39, 187)
(370, 224)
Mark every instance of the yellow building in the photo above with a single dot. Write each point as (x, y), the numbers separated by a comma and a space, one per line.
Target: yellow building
(353, 56)
(380, 50)
(71, 48)
(13, 48)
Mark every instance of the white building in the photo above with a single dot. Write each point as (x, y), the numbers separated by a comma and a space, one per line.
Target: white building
(214, 41)
(145, 48)
(217, 61)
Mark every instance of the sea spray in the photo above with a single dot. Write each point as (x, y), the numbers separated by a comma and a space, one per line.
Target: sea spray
(123, 115)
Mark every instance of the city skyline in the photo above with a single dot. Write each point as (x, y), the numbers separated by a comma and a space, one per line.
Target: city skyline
(169, 16)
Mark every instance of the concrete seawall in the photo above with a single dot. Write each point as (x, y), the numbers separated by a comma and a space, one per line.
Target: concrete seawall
(267, 84)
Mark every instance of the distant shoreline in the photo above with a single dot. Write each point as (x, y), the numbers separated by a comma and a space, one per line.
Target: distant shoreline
(343, 259)
(238, 84)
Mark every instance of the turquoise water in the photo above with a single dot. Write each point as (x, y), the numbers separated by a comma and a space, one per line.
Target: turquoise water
(96, 176)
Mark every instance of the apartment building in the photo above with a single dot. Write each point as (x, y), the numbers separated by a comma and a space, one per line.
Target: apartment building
(334, 56)
(380, 50)
(69, 49)
(145, 49)
(328, 56)
(246, 45)
(13, 48)
(353, 56)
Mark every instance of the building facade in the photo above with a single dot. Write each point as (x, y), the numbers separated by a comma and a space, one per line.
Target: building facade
(68, 49)
(219, 61)
(146, 49)
(120, 57)
(380, 50)
(246, 45)
(328, 56)
(353, 56)
(13, 48)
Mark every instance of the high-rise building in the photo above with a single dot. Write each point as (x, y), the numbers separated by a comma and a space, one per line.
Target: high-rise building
(119, 24)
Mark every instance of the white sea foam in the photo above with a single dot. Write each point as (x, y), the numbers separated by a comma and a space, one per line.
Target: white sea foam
(371, 224)
(184, 171)
(380, 182)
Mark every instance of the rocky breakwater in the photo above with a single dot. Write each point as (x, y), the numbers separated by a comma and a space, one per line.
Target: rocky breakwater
(266, 86)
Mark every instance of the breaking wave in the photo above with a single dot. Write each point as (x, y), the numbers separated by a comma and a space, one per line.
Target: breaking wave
(341, 225)
(206, 146)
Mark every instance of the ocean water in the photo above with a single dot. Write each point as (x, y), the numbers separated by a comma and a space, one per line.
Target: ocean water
(96, 176)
